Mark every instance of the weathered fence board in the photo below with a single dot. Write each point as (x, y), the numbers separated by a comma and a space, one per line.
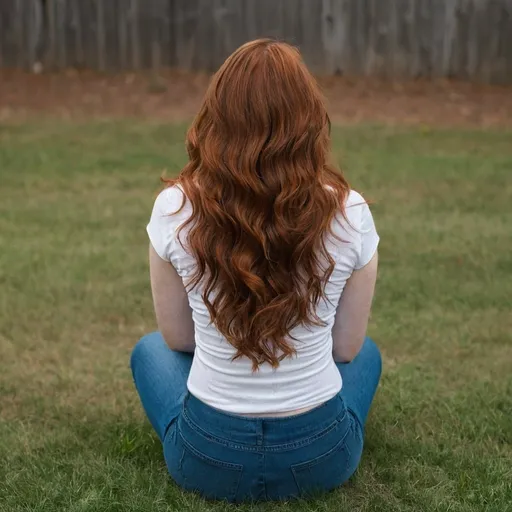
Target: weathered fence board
(466, 39)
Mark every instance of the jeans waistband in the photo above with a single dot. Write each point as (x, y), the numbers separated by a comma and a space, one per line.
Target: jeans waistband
(265, 431)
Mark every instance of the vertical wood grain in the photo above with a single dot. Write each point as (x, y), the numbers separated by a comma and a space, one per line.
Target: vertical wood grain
(464, 39)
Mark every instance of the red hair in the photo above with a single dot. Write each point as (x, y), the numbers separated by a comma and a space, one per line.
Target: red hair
(263, 196)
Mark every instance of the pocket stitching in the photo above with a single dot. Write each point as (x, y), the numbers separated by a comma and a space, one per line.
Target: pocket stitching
(210, 460)
(236, 469)
(318, 460)
(273, 448)
(304, 466)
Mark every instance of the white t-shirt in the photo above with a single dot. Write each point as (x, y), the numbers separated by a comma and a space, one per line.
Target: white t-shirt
(305, 380)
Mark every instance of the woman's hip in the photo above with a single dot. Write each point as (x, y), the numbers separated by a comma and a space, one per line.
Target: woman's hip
(233, 458)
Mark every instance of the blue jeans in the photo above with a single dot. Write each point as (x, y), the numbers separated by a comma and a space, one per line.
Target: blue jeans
(236, 458)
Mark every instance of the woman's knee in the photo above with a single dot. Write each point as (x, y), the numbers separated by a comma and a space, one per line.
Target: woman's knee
(146, 348)
(371, 351)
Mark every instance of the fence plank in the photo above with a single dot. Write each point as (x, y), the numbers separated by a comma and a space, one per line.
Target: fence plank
(3, 32)
(396, 61)
(111, 11)
(77, 57)
(144, 21)
(332, 35)
(500, 17)
(31, 29)
(60, 16)
(505, 54)
(269, 21)
(291, 28)
(473, 42)
(156, 11)
(134, 33)
(90, 33)
(187, 14)
(438, 36)
(402, 37)
(165, 32)
(203, 42)
(122, 32)
(237, 35)
(351, 49)
(312, 45)
(362, 37)
(371, 57)
(19, 31)
(251, 17)
(100, 34)
(223, 18)
(51, 34)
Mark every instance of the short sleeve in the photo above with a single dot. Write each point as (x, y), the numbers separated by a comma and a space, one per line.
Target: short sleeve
(163, 224)
(369, 237)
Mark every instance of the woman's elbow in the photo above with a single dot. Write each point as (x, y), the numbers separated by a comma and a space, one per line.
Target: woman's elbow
(343, 358)
(348, 352)
(177, 344)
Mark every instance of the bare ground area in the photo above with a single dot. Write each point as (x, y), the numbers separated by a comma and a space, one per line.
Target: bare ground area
(175, 96)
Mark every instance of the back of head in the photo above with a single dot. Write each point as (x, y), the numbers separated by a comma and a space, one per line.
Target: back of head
(263, 196)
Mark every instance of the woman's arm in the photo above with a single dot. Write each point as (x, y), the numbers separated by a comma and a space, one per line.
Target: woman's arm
(173, 313)
(353, 311)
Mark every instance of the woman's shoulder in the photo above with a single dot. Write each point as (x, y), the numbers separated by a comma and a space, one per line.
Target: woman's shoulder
(172, 199)
(350, 220)
(356, 208)
(354, 198)
(171, 195)
(170, 211)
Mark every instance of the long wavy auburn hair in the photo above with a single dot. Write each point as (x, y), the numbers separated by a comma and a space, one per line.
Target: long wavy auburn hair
(263, 196)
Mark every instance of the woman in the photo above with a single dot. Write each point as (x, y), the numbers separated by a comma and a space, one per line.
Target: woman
(263, 265)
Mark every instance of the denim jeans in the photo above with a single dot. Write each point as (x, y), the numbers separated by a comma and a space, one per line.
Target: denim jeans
(236, 458)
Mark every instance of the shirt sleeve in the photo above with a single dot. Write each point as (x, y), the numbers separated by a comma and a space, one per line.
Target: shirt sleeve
(369, 237)
(162, 224)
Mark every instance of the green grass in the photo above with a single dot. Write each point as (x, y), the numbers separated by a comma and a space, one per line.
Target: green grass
(74, 298)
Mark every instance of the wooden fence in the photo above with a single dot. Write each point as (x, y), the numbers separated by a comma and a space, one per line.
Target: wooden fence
(465, 39)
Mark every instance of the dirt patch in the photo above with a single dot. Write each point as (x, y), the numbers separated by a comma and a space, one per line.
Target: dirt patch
(175, 96)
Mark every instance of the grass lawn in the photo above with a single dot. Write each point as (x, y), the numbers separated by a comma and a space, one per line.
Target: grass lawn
(74, 201)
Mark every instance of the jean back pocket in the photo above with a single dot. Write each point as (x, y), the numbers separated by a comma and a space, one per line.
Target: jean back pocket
(212, 478)
(324, 472)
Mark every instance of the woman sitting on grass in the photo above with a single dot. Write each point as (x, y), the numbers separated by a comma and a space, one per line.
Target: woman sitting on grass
(263, 266)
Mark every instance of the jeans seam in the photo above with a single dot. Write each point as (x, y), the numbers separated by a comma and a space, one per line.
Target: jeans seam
(166, 428)
(354, 415)
(210, 460)
(317, 460)
(272, 448)
(236, 469)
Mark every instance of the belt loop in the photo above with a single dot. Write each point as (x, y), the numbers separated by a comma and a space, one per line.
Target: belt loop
(259, 433)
